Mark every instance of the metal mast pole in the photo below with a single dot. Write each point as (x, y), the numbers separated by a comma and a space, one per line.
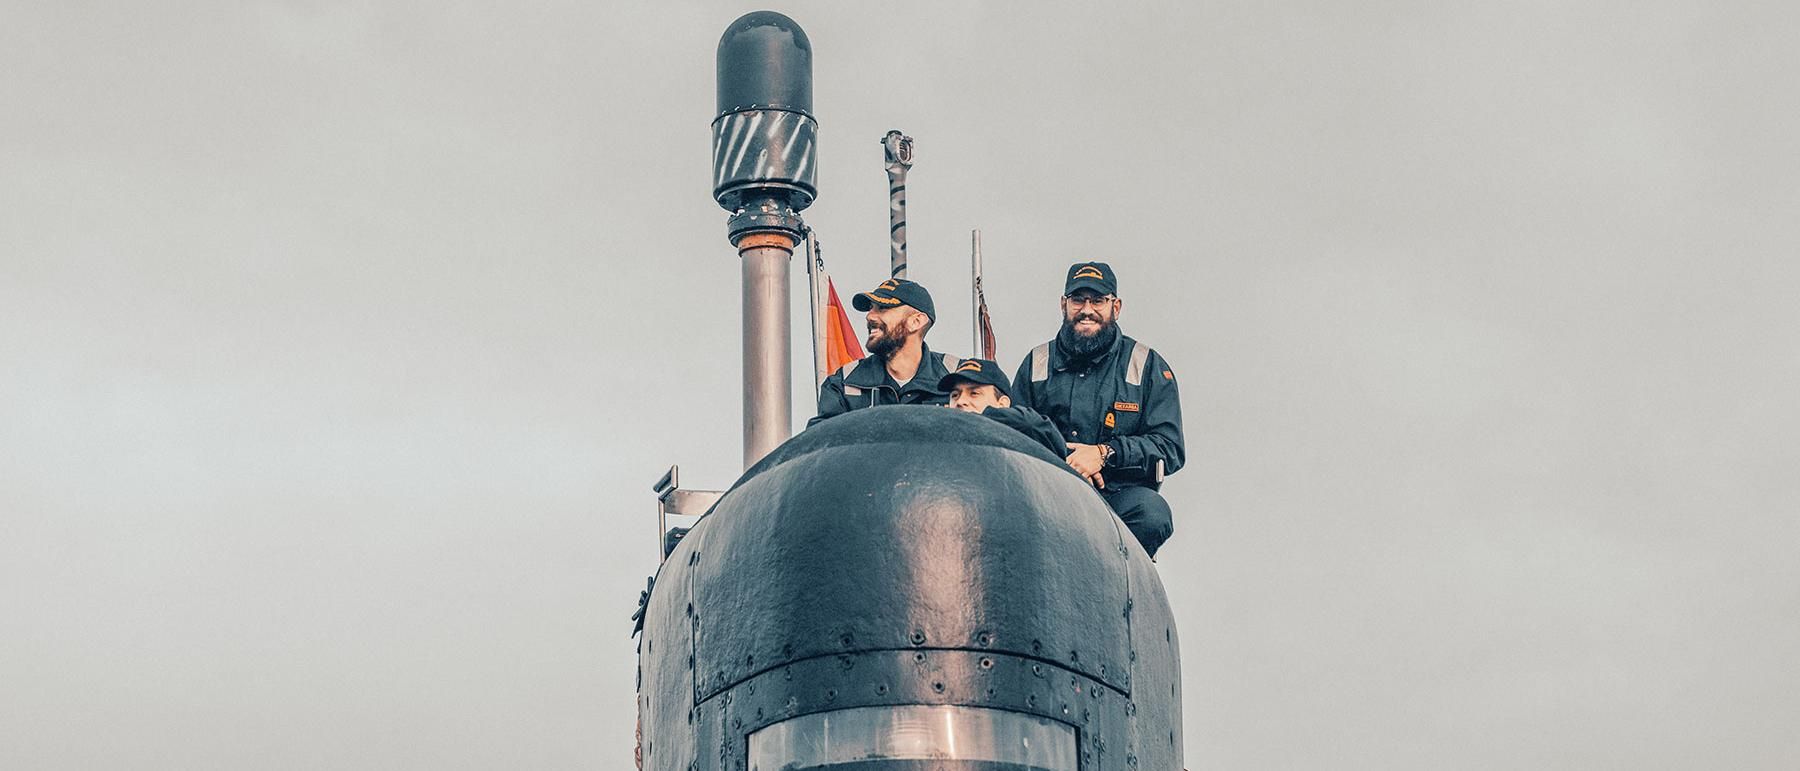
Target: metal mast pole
(975, 291)
(768, 388)
(815, 270)
(899, 149)
(763, 173)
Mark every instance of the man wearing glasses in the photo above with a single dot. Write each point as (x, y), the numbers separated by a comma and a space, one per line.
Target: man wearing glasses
(1113, 399)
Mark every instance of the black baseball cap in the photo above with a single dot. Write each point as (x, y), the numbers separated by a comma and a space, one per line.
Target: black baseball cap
(1097, 276)
(895, 292)
(979, 371)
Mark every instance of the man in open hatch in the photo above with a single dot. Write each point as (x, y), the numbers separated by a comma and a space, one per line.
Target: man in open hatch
(980, 387)
(899, 368)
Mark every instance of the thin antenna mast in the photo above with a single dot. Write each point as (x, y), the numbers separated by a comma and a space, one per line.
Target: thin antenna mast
(815, 271)
(899, 149)
(975, 291)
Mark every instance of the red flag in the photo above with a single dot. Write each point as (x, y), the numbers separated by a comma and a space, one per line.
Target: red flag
(841, 346)
(984, 326)
(988, 345)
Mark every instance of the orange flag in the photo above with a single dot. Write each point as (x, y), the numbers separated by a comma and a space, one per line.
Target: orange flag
(841, 346)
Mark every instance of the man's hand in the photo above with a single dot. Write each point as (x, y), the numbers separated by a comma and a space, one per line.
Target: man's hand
(1087, 460)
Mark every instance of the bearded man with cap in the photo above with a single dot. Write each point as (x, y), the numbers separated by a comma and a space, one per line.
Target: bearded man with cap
(899, 369)
(1113, 399)
(978, 386)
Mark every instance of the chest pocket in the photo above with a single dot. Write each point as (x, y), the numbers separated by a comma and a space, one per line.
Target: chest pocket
(1126, 415)
(854, 395)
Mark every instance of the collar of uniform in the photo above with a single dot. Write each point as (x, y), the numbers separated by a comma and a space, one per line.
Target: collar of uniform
(872, 372)
(1061, 362)
(931, 370)
(869, 373)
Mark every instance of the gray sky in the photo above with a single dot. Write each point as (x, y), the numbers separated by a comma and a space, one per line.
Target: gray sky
(341, 346)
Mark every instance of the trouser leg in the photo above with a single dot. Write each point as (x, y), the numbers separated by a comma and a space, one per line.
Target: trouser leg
(1145, 513)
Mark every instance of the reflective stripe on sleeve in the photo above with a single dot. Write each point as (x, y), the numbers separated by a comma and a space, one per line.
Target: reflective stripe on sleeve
(1134, 371)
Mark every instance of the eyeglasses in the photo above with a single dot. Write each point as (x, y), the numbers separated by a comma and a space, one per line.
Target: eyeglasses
(1082, 301)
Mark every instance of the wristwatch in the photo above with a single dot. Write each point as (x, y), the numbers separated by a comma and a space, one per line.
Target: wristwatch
(1106, 453)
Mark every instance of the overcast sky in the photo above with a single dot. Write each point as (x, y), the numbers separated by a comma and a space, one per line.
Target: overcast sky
(339, 347)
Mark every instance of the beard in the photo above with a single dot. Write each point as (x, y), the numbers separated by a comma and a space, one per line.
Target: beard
(882, 341)
(1083, 346)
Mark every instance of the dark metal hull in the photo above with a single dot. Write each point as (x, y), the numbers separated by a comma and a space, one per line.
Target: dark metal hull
(909, 556)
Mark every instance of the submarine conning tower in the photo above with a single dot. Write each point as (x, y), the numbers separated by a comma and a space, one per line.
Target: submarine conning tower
(910, 588)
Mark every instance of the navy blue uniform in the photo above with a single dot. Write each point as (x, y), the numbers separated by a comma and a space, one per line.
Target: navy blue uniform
(866, 383)
(1028, 422)
(1126, 397)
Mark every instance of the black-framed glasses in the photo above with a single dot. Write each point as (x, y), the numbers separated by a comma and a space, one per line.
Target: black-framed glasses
(1081, 301)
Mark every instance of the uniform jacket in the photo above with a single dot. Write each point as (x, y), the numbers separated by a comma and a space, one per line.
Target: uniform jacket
(865, 383)
(1125, 396)
(1028, 422)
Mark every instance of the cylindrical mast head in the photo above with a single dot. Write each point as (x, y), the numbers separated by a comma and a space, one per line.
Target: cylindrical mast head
(763, 149)
(765, 62)
(764, 135)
